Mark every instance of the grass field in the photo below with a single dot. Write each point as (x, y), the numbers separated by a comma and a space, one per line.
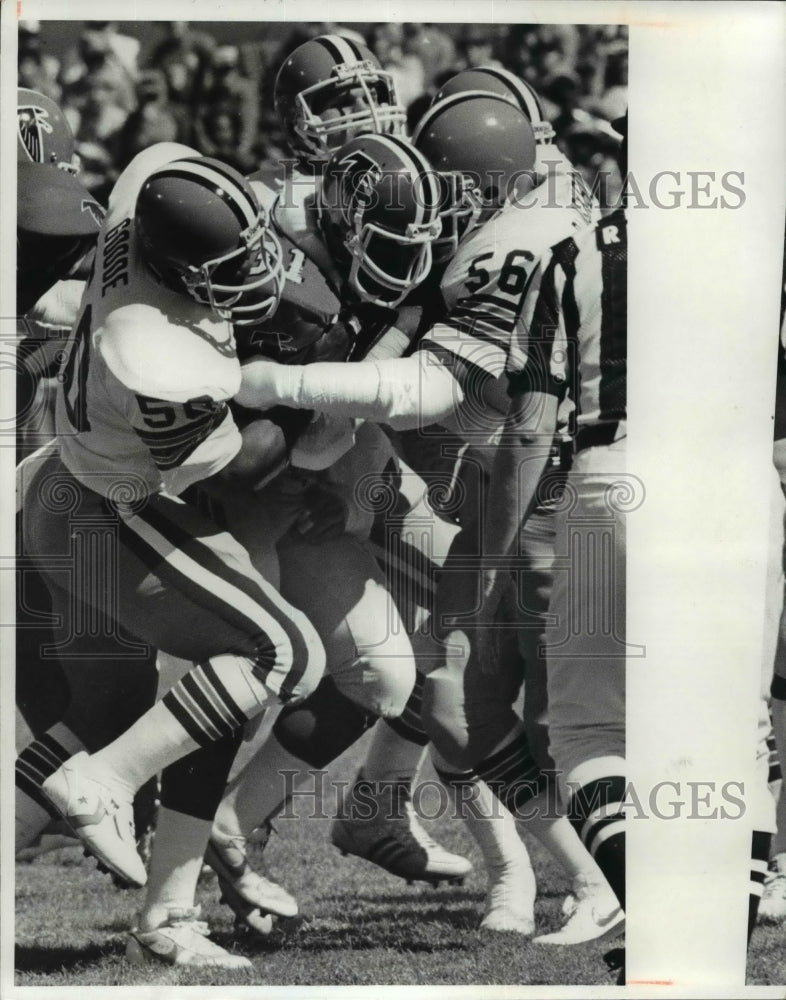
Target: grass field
(360, 927)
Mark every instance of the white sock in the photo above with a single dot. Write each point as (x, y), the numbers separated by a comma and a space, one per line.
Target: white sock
(392, 758)
(175, 863)
(559, 838)
(260, 790)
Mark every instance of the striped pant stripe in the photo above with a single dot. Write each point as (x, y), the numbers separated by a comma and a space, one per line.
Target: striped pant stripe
(264, 602)
(205, 579)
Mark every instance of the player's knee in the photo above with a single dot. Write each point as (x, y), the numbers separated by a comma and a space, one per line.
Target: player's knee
(298, 659)
(323, 726)
(310, 664)
(378, 683)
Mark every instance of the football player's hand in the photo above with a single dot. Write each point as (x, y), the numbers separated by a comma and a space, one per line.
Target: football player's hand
(325, 516)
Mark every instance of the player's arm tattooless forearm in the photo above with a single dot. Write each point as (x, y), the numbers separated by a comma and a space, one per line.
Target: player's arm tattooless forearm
(403, 392)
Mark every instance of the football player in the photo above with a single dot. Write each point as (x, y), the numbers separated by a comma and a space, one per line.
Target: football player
(459, 367)
(573, 340)
(141, 416)
(66, 704)
(372, 255)
(337, 583)
(585, 664)
(328, 90)
(57, 218)
(390, 751)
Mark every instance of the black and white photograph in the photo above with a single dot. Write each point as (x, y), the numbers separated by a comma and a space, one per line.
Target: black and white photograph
(327, 660)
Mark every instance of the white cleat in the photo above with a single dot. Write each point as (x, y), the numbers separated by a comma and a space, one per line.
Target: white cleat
(593, 915)
(100, 813)
(401, 846)
(253, 898)
(509, 901)
(772, 907)
(181, 940)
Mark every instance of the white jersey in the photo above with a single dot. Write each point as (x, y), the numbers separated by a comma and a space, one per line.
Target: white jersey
(485, 284)
(142, 404)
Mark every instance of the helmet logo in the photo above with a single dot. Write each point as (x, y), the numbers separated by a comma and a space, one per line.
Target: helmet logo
(359, 179)
(88, 205)
(33, 123)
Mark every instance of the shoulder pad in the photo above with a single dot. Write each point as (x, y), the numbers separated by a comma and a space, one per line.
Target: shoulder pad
(177, 362)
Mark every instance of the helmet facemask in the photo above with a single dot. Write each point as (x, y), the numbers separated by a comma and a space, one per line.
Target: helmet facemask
(223, 283)
(387, 262)
(349, 83)
(461, 204)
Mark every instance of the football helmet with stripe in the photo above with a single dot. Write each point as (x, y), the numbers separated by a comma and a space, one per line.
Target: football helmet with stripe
(483, 149)
(43, 134)
(202, 231)
(496, 80)
(331, 89)
(379, 211)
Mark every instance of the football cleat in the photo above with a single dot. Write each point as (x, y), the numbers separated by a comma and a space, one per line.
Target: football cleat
(400, 845)
(100, 812)
(509, 906)
(253, 898)
(593, 914)
(615, 962)
(181, 940)
(772, 907)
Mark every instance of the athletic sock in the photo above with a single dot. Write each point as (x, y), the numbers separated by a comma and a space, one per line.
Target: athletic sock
(531, 795)
(596, 810)
(175, 864)
(491, 826)
(211, 701)
(261, 789)
(393, 761)
(760, 852)
(34, 764)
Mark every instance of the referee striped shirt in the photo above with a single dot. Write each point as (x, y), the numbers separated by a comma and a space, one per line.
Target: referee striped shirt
(577, 325)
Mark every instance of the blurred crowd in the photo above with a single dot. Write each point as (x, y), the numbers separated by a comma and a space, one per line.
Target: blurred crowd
(121, 96)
